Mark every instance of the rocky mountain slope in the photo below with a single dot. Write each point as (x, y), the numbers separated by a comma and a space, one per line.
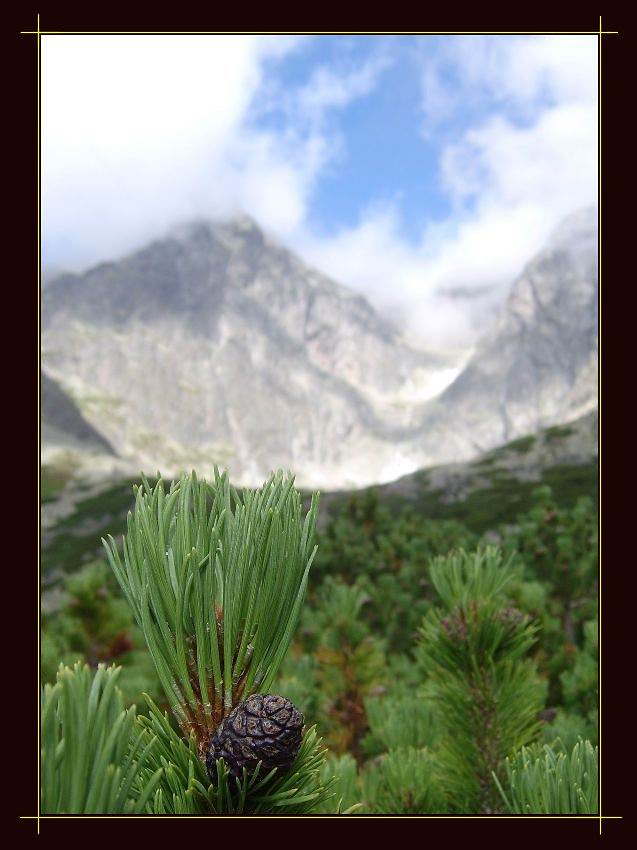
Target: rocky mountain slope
(525, 460)
(62, 422)
(218, 345)
(537, 365)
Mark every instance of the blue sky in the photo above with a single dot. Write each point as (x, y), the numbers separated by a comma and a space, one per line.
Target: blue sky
(383, 155)
(408, 168)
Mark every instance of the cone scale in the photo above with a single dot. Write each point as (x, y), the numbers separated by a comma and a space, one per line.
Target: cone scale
(265, 728)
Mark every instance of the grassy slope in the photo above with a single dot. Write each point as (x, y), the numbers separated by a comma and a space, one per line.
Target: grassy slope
(76, 539)
(495, 495)
(52, 481)
(507, 497)
(497, 486)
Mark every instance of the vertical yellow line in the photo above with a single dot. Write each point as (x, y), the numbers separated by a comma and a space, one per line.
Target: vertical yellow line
(39, 482)
(599, 384)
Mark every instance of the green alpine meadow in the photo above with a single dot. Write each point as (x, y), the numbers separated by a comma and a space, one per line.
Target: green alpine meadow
(229, 654)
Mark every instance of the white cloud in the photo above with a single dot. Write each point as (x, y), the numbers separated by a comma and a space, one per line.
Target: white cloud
(142, 132)
(517, 71)
(328, 89)
(374, 258)
(529, 159)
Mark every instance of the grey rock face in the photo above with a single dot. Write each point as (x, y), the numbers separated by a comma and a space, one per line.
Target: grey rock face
(537, 365)
(62, 420)
(218, 345)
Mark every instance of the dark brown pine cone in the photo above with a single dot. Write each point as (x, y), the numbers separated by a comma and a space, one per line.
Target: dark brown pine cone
(264, 728)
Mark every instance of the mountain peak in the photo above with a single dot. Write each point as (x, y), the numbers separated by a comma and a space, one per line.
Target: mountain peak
(238, 226)
(216, 344)
(536, 365)
(576, 232)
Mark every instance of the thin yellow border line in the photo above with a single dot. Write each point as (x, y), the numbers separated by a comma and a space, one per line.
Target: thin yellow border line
(599, 400)
(38, 43)
(321, 817)
(304, 32)
(599, 33)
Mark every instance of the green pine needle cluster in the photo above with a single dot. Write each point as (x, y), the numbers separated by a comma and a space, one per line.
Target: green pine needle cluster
(185, 788)
(488, 693)
(92, 758)
(216, 581)
(405, 780)
(400, 721)
(545, 781)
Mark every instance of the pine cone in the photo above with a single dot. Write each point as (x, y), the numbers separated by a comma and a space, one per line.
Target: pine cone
(264, 728)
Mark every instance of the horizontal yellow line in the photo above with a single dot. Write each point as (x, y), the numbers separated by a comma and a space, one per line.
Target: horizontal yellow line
(430, 817)
(198, 32)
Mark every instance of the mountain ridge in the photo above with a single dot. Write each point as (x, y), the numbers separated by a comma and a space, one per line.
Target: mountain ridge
(537, 364)
(218, 345)
(222, 313)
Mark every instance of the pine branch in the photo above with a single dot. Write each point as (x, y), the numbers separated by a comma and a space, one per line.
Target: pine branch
(488, 694)
(216, 581)
(540, 780)
(185, 787)
(92, 758)
(404, 781)
(400, 721)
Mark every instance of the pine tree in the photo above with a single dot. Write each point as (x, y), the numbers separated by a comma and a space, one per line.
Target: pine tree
(441, 718)
(350, 663)
(558, 547)
(488, 694)
(215, 580)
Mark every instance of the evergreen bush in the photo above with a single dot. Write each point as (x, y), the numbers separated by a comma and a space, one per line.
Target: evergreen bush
(215, 581)
(473, 648)
(424, 665)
